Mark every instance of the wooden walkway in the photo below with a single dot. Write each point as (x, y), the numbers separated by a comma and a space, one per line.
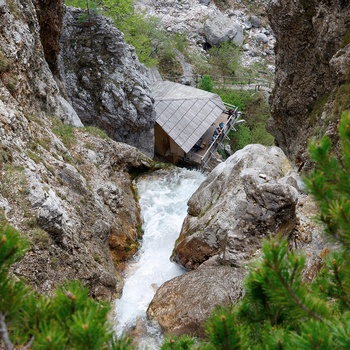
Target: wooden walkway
(203, 155)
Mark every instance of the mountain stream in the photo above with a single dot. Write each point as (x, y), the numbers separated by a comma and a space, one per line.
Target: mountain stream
(163, 201)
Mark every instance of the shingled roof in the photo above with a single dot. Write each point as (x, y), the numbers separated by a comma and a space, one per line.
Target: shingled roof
(185, 113)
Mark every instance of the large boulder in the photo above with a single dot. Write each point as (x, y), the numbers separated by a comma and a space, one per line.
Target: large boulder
(254, 194)
(250, 196)
(220, 28)
(183, 304)
(104, 80)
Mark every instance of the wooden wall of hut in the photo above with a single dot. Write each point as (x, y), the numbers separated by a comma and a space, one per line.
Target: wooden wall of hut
(165, 146)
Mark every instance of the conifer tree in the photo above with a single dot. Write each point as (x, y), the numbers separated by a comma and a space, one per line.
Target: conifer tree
(69, 320)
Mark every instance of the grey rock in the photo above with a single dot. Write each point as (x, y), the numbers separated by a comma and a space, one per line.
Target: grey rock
(200, 292)
(4, 205)
(239, 203)
(69, 114)
(261, 38)
(255, 21)
(220, 29)
(112, 196)
(340, 63)
(204, 2)
(105, 83)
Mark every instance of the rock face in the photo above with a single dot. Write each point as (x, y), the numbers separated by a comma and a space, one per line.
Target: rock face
(74, 203)
(50, 16)
(104, 81)
(250, 196)
(309, 36)
(244, 199)
(25, 77)
(68, 190)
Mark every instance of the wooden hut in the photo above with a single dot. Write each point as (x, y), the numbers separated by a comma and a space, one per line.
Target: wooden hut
(185, 115)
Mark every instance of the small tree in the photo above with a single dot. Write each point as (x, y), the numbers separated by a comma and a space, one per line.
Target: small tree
(205, 83)
(69, 320)
(225, 58)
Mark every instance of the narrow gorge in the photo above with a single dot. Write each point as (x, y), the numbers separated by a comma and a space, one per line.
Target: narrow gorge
(77, 133)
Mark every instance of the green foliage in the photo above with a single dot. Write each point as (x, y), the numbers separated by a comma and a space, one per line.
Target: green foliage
(224, 59)
(206, 83)
(68, 320)
(261, 136)
(240, 98)
(241, 138)
(34, 156)
(223, 332)
(255, 113)
(65, 132)
(329, 185)
(184, 342)
(93, 130)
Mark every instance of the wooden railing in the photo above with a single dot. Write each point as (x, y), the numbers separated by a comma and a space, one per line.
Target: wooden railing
(229, 82)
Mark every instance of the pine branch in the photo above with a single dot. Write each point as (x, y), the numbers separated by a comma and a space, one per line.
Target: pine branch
(4, 332)
(343, 293)
(295, 298)
(30, 343)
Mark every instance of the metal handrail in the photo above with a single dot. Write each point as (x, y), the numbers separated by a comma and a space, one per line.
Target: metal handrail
(231, 122)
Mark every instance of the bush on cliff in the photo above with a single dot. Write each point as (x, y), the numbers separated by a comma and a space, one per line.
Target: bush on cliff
(144, 33)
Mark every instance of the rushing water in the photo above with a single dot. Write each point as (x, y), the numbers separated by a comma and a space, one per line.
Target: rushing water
(163, 201)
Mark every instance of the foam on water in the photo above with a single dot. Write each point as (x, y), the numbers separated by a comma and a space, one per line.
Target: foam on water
(163, 202)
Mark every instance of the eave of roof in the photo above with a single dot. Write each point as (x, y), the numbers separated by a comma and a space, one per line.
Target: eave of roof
(185, 113)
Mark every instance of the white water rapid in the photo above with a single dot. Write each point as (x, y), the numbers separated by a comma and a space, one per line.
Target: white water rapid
(163, 202)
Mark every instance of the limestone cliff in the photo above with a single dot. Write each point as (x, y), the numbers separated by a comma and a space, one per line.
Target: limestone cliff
(66, 188)
(312, 60)
(104, 80)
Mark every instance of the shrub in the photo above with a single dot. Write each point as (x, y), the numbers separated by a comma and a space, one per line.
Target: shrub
(206, 83)
(260, 135)
(224, 59)
(64, 132)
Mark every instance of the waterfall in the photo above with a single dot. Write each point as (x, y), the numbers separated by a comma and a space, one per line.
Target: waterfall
(163, 202)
